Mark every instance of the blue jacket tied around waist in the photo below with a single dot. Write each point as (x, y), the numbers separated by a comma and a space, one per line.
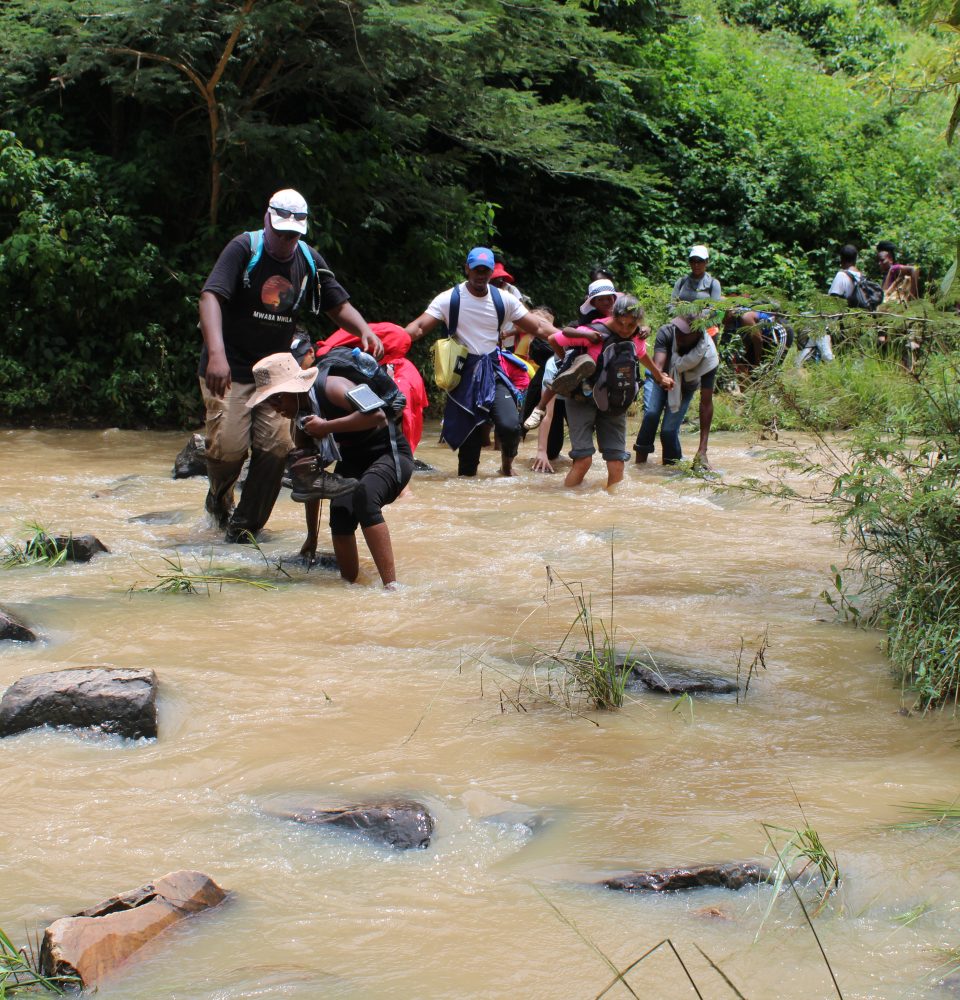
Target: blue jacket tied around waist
(469, 405)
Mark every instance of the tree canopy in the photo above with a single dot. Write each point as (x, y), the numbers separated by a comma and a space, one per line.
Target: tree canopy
(139, 135)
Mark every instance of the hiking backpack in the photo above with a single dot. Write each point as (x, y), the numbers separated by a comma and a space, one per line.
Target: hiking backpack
(617, 382)
(341, 361)
(866, 294)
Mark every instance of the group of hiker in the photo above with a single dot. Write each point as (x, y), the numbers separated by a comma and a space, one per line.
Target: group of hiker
(296, 407)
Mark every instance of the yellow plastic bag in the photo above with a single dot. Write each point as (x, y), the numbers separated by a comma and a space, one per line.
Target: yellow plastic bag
(449, 357)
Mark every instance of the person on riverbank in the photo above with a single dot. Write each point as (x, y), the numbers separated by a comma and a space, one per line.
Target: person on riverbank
(698, 284)
(475, 313)
(590, 416)
(248, 305)
(900, 281)
(373, 452)
(690, 358)
(843, 286)
(762, 336)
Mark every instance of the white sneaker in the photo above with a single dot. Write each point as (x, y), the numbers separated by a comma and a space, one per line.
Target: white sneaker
(534, 420)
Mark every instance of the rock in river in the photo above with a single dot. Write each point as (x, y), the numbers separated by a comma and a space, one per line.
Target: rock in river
(12, 628)
(400, 823)
(191, 460)
(678, 680)
(115, 700)
(730, 875)
(95, 943)
(79, 548)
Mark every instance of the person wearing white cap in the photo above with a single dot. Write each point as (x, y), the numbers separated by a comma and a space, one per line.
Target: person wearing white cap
(248, 309)
(697, 284)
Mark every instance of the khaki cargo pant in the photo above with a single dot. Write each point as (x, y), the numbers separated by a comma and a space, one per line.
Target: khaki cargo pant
(232, 431)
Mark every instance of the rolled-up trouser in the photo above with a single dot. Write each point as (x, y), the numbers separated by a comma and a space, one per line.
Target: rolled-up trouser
(506, 420)
(231, 432)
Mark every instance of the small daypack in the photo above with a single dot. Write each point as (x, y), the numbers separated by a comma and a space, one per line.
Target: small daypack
(256, 252)
(617, 383)
(866, 294)
(340, 361)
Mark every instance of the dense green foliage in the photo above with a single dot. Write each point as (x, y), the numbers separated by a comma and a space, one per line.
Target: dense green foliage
(141, 134)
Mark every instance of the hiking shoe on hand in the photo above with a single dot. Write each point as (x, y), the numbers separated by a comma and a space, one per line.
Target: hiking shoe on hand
(582, 367)
(533, 421)
(322, 485)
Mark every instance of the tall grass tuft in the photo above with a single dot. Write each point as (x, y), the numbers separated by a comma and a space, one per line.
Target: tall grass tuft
(39, 550)
(20, 972)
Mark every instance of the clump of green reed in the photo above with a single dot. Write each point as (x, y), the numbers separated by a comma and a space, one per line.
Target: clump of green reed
(20, 972)
(930, 814)
(39, 550)
(176, 579)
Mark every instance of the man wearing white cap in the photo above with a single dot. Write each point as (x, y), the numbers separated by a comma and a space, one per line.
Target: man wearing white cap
(697, 284)
(248, 309)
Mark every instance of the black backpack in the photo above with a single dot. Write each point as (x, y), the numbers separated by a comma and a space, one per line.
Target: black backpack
(866, 294)
(341, 361)
(617, 381)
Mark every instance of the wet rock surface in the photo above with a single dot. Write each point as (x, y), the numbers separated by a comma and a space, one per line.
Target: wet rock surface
(79, 548)
(13, 629)
(95, 943)
(399, 823)
(159, 517)
(191, 460)
(730, 875)
(122, 701)
(321, 560)
(420, 466)
(535, 822)
(668, 679)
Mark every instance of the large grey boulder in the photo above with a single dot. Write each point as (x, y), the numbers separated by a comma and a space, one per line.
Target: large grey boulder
(95, 943)
(13, 629)
(730, 875)
(400, 823)
(191, 460)
(114, 700)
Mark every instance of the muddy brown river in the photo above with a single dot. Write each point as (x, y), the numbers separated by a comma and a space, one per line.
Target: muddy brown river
(319, 691)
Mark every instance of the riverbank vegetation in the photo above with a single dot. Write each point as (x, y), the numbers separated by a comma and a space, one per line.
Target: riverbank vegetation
(137, 136)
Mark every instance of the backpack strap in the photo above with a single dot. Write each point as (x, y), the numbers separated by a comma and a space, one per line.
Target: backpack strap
(454, 311)
(256, 251)
(498, 305)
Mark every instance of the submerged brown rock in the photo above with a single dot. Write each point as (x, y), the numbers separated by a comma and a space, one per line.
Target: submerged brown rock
(13, 629)
(96, 942)
(730, 875)
(115, 700)
(400, 823)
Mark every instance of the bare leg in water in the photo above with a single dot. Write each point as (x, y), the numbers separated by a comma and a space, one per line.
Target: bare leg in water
(377, 537)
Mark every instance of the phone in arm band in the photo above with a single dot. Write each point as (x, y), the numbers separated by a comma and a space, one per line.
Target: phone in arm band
(364, 399)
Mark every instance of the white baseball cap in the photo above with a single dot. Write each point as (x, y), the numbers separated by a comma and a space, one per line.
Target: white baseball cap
(699, 251)
(288, 211)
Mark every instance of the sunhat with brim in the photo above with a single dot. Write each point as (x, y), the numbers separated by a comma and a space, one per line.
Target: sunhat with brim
(279, 373)
(499, 271)
(602, 286)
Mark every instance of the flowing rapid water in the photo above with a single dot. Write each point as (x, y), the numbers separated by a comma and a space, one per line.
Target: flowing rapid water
(321, 692)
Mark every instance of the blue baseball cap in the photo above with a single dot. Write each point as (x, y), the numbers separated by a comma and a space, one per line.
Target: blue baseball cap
(480, 257)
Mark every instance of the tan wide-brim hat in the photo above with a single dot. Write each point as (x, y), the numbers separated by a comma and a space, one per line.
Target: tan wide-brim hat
(279, 373)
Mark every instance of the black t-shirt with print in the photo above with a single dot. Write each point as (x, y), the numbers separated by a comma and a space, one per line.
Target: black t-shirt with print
(259, 320)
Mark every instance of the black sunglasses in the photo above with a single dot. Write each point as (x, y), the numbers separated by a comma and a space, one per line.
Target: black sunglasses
(285, 213)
